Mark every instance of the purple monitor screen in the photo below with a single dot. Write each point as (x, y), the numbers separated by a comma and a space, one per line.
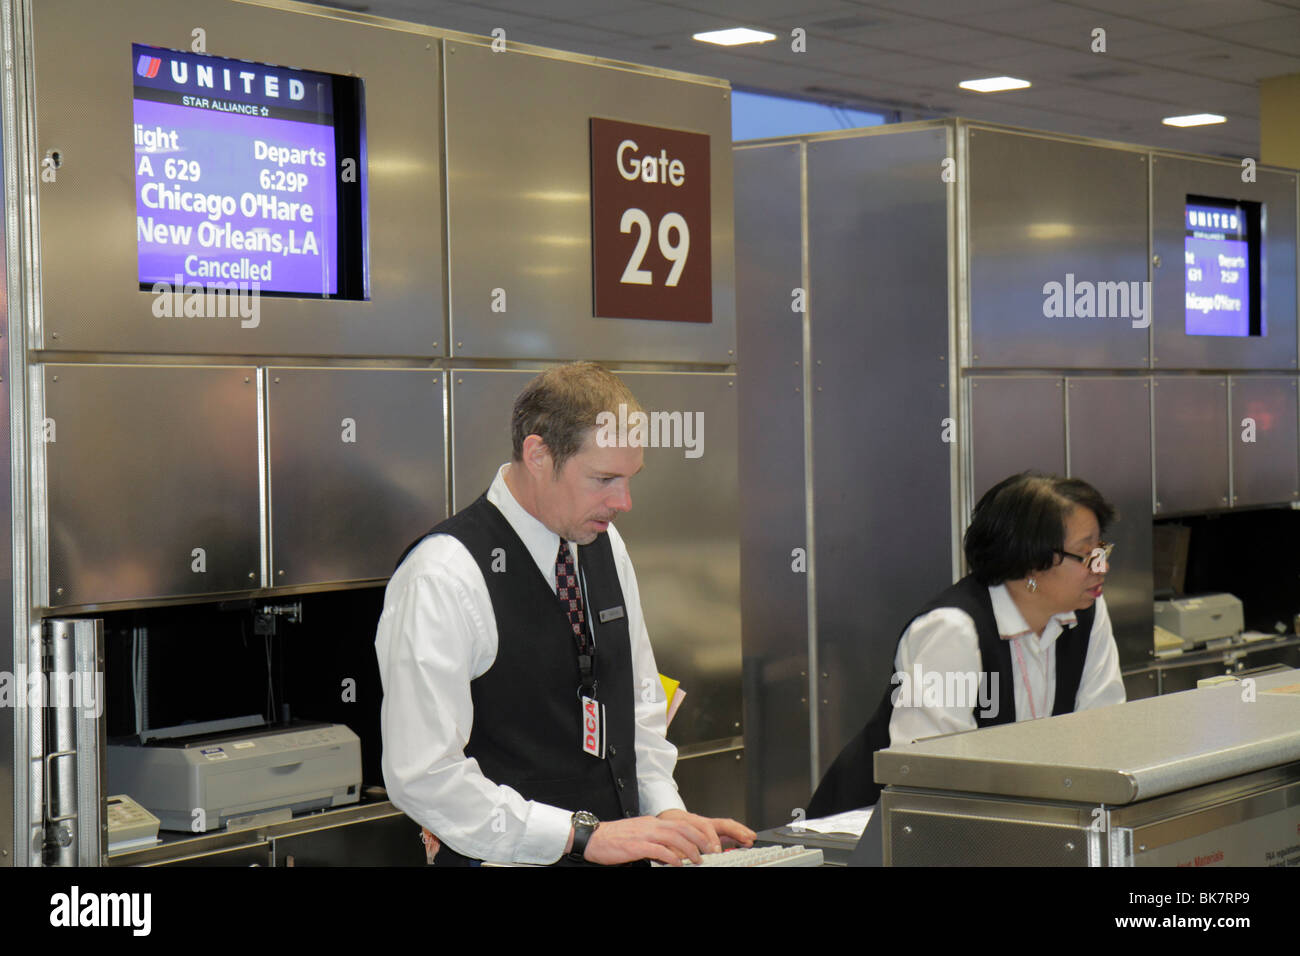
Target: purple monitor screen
(235, 174)
(1218, 261)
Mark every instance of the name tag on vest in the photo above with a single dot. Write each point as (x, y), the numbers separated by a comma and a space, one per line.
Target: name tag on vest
(611, 614)
(593, 727)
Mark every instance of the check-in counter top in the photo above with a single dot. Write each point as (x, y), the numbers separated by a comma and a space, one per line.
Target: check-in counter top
(1114, 755)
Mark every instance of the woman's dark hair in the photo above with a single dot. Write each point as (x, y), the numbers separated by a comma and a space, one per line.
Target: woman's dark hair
(1019, 525)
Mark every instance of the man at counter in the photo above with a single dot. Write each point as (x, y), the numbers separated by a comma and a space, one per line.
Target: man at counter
(523, 719)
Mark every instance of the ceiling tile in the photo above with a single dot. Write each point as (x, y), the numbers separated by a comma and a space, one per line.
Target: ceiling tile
(658, 20)
(749, 12)
(1163, 56)
(947, 10)
(1209, 15)
(554, 9)
(1281, 34)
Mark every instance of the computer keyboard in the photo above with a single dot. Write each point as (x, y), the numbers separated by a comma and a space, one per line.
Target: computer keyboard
(758, 856)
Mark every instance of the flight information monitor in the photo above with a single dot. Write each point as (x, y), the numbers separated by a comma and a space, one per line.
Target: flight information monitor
(1221, 253)
(248, 173)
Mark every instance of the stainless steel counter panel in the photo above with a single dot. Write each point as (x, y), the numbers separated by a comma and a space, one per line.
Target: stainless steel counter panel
(682, 531)
(261, 846)
(344, 510)
(1108, 435)
(1191, 443)
(87, 217)
(149, 463)
(924, 828)
(773, 594)
(1042, 209)
(1173, 178)
(1181, 672)
(1264, 470)
(1113, 755)
(519, 211)
(1248, 820)
(1016, 424)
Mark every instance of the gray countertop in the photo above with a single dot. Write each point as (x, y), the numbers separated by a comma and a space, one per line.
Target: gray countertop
(1113, 755)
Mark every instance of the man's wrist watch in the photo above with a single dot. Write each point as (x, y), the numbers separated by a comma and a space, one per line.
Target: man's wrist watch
(584, 825)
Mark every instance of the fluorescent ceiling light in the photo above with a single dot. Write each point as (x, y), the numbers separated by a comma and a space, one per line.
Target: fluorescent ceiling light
(734, 36)
(1195, 119)
(994, 84)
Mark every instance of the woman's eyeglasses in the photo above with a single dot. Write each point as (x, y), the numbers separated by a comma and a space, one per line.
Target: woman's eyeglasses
(1097, 560)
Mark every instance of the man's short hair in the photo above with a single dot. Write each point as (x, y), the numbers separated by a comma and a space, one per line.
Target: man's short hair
(561, 406)
(1019, 525)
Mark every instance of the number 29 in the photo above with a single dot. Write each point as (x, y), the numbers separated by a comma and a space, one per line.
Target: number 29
(675, 253)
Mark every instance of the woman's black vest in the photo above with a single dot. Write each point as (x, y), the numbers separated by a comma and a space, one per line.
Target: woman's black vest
(850, 781)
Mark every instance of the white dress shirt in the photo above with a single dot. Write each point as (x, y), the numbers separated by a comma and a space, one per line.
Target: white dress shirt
(436, 634)
(944, 641)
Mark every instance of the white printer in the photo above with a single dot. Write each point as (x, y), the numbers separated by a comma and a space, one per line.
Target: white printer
(236, 768)
(1205, 619)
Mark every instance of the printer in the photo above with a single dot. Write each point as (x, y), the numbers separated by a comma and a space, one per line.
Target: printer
(1212, 619)
(235, 769)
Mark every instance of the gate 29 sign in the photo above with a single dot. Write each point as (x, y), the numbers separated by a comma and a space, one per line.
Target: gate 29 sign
(650, 223)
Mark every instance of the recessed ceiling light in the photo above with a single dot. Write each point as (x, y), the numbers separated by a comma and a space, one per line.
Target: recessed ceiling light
(734, 37)
(1195, 119)
(994, 84)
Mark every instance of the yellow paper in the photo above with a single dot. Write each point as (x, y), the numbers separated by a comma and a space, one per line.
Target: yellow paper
(670, 688)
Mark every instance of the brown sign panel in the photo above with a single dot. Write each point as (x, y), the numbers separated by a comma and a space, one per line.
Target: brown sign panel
(650, 223)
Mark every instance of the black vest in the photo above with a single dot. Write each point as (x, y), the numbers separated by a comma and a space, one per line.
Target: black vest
(850, 781)
(527, 731)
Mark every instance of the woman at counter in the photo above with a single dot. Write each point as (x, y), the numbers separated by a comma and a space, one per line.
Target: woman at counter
(1024, 635)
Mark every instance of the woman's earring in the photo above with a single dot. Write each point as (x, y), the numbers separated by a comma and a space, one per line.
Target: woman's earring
(1031, 585)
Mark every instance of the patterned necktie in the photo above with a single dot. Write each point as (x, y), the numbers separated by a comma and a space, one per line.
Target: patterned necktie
(566, 589)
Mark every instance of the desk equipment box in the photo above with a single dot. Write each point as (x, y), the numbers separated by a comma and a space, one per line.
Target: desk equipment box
(1197, 620)
(236, 774)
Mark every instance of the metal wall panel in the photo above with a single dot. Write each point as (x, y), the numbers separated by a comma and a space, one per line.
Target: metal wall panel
(1264, 469)
(481, 401)
(1017, 424)
(773, 595)
(1173, 179)
(356, 469)
(1109, 438)
(1042, 210)
(146, 464)
(1191, 444)
(714, 784)
(91, 298)
(12, 358)
(877, 245)
(519, 210)
(682, 532)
